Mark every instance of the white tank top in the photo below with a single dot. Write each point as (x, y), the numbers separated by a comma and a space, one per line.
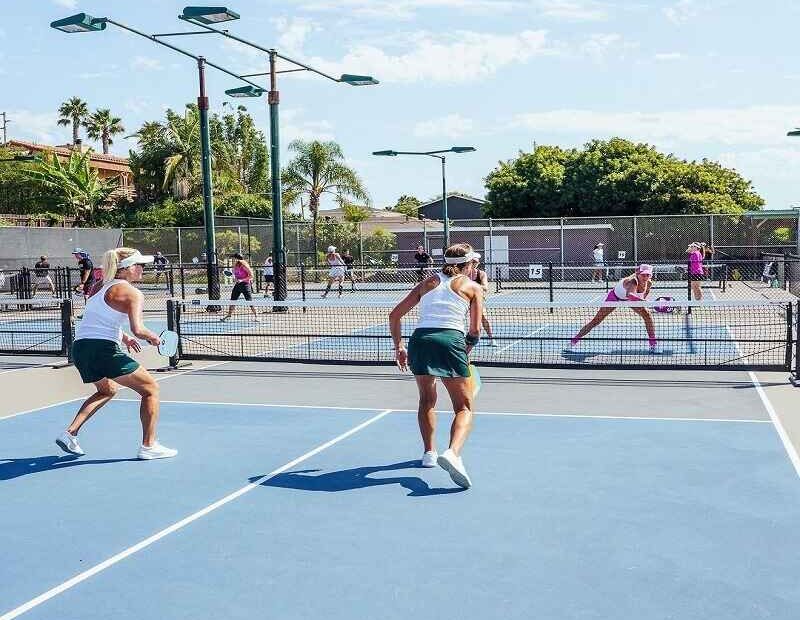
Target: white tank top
(100, 320)
(336, 261)
(442, 307)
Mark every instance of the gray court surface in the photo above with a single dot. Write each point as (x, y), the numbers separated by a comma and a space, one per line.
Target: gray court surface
(647, 394)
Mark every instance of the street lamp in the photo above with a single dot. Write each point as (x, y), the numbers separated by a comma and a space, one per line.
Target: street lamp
(83, 22)
(202, 16)
(796, 132)
(438, 155)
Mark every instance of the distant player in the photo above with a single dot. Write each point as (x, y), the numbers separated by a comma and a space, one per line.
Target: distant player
(599, 263)
(42, 272)
(348, 268)
(337, 270)
(242, 273)
(268, 271)
(634, 287)
(479, 276)
(160, 262)
(86, 267)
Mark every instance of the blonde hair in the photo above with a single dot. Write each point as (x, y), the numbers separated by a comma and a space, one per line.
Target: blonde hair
(454, 251)
(111, 261)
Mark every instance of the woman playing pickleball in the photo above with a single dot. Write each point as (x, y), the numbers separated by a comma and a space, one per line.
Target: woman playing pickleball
(634, 287)
(99, 359)
(439, 348)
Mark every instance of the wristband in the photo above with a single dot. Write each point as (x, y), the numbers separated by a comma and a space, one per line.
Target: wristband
(472, 340)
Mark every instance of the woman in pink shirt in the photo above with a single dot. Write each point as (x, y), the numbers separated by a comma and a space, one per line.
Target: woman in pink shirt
(696, 272)
(243, 275)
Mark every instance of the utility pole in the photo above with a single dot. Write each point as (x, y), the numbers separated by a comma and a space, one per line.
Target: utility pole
(5, 124)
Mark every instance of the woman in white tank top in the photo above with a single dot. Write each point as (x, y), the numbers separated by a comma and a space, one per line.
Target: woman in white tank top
(439, 347)
(337, 270)
(99, 359)
(635, 287)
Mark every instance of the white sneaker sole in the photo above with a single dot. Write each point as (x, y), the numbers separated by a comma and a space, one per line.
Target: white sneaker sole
(66, 449)
(428, 465)
(153, 457)
(456, 476)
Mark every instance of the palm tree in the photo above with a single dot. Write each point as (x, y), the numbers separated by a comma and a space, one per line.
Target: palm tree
(182, 134)
(76, 184)
(103, 126)
(318, 168)
(73, 112)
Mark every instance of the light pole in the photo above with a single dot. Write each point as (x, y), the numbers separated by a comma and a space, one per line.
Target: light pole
(203, 17)
(795, 132)
(86, 23)
(437, 155)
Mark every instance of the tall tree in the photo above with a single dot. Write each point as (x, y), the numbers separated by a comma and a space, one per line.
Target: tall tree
(613, 177)
(407, 205)
(77, 186)
(318, 168)
(103, 126)
(240, 150)
(73, 111)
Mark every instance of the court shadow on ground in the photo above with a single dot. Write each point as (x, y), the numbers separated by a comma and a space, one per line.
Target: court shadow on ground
(15, 468)
(356, 478)
(581, 356)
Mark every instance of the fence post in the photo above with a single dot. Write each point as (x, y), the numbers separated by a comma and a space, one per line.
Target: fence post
(562, 244)
(550, 278)
(180, 249)
(249, 246)
(795, 378)
(635, 239)
(360, 244)
(171, 281)
(490, 252)
(711, 230)
(182, 272)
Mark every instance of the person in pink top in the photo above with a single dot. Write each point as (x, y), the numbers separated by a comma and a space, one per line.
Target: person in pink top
(243, 275)
(635, 287)
(696, 272)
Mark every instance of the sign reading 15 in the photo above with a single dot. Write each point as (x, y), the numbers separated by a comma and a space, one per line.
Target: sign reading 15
(535, 272)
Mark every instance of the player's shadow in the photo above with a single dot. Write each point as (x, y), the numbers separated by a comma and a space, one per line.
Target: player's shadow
(582, 356)
(15, 468)
(356, 478)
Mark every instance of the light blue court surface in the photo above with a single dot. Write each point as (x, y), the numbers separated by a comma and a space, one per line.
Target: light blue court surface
(569, 518)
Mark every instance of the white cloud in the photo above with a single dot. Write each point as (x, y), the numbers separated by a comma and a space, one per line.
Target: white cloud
(292, 33)
(293, 127)
(449, 126)
(406, 9)
(67, 4)
(145, 63)
(668, 56)
(572, 10)
(40, 127)
(770, 164)
(684, 11)
(600, 46)
(457, 57)
(137, 105)
(763, 125)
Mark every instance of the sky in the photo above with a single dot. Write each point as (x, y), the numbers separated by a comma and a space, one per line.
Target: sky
(709, 79)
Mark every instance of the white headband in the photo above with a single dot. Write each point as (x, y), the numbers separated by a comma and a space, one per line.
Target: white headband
(460, 260)
(134, 259)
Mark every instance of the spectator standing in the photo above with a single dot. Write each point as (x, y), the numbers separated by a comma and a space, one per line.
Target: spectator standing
(424, 261)
(41, 271)
(599, 263)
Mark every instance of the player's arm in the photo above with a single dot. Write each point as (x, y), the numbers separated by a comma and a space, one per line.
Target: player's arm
(133, 300)
(475, 316)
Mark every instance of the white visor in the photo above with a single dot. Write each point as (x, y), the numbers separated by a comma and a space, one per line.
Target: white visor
(460, 260)
(135, 259)
(331, 249)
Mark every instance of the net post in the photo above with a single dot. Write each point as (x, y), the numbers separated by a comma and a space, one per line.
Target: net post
(550, 278)
(497, 273)
(171, 281)
(794, 377)
(173, 324)
(67, 336)
(303, 281)
(182, 272)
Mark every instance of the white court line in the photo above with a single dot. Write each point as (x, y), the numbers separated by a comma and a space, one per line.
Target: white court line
(508, 346)
(5, 372)
(45, 596)
(791, 451)
(492, 413)
(27, 411)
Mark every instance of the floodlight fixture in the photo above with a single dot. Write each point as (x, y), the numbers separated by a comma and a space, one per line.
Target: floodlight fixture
(208, 14)
(81, 22)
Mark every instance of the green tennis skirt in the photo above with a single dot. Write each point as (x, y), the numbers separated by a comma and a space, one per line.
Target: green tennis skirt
(97, 359)
(438, 352)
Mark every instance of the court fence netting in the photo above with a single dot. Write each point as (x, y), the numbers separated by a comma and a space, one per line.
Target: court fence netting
(713, 335)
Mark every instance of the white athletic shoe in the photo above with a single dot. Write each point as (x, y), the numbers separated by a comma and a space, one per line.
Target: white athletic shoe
(429, 458)
(156, 451)
(492, 342)
(454, 466)
(225, 318)
(69, 443)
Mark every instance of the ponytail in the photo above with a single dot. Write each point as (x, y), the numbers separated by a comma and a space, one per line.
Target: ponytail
(111, 261)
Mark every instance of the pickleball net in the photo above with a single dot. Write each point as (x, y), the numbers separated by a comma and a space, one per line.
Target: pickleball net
(744, 335)
(35, 327)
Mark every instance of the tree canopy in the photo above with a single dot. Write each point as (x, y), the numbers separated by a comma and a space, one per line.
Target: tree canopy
(613, 177)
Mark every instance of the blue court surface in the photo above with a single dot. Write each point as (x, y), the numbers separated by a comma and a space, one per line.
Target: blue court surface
(291, 511)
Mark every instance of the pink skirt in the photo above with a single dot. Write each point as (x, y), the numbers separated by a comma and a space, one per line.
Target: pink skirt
(612, 296)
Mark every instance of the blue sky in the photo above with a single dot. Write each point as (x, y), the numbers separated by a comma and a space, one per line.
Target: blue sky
(715, 79)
